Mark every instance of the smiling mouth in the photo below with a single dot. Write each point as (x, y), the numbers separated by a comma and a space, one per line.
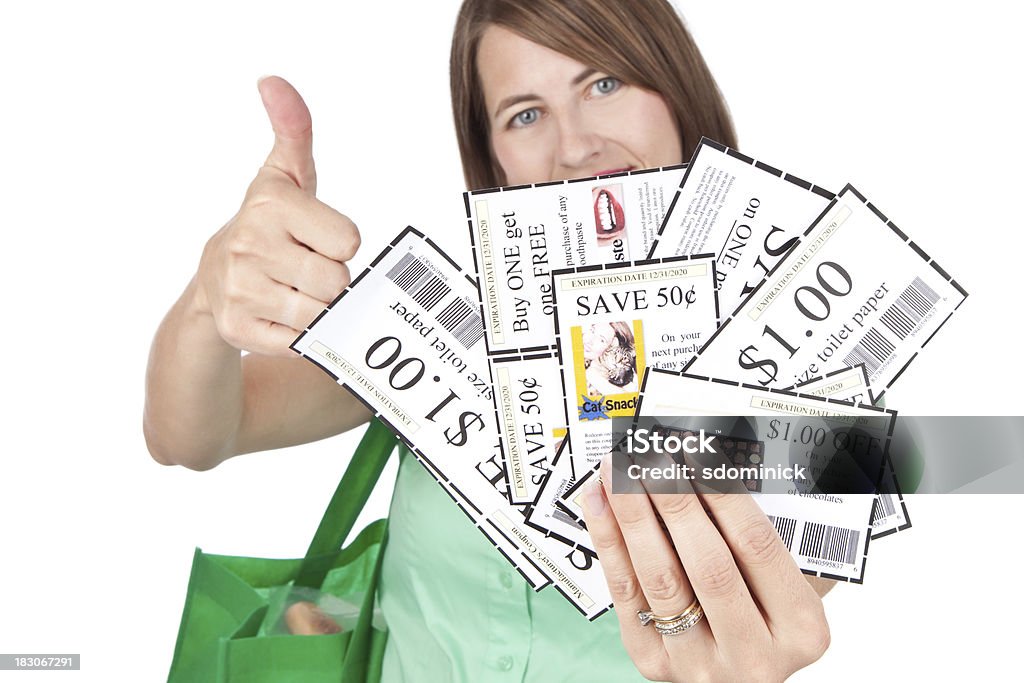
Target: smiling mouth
(608, 214)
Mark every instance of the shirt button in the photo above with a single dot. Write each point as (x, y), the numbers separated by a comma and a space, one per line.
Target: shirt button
(506, 580)
(504, 663)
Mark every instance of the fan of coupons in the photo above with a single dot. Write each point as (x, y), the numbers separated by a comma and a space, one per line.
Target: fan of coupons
(722, 287)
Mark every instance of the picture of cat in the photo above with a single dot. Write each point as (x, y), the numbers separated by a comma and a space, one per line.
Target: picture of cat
(609, 356)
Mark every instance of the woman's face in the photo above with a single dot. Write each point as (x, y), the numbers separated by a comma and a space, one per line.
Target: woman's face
(553, 118)
(596, 340)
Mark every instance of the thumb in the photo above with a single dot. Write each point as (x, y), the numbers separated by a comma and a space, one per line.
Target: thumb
(293, 131)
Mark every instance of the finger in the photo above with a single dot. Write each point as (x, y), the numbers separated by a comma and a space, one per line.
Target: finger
(664, 585)
(293, 131)
(272, 339)
(728, 605)
(646, 647)
(258, 336)
(309, 272)
(767, 566)
(322, 229)
(288, 307)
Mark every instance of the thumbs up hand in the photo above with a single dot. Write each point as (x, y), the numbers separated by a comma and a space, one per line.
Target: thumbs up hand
(275, 266)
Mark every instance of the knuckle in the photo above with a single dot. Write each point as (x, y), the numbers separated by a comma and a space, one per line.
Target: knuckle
(604, 542)
(261, 194)
(242, 242)
(231, 331)
(269, 180)
(678, 504)
(759, 543)
(716, 575)
(625, 588)
(268, 191)
(664, 584)
(717, 499)
(632, 519)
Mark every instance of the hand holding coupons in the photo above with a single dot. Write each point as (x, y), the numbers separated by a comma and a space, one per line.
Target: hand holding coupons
(703, 560)
(281, 259)
(505, 386)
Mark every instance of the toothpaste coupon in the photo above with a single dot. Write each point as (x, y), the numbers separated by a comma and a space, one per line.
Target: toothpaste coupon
(521, 234)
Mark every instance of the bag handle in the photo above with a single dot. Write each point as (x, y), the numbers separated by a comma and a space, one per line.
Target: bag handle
(349, 498)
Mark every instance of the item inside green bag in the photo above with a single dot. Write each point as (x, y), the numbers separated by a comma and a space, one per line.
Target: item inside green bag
(306, 611)
(304, 618)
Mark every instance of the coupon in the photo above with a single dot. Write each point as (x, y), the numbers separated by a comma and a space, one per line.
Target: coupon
(421, 367)
(570, 564)
(612, 322)
(528, 405)
(851, 384)
(749, 214)
(512, 550)
(854, 289)
(848, 384)
(574, 572)
(423, 372)
(785, 438)
(521, 234)
(542, 557)
(889, 514)
(547, 516)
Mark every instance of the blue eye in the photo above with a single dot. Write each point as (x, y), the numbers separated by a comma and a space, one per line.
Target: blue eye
(525, 118)
(605, 86)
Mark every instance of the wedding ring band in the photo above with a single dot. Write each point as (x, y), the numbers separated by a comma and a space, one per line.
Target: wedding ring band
(683, 625)
(675, 624)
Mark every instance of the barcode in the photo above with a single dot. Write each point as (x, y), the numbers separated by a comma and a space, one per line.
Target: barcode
(831, 543)
(873, 350)
(884, 508)
(459, 318)
(412, 275)
(559, 514)
(910, 307)
(786, 528)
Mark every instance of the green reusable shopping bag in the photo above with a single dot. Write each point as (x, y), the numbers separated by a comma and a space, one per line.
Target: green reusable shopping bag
(230, 600)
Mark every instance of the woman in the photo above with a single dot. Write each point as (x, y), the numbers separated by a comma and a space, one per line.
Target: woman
(540, 91)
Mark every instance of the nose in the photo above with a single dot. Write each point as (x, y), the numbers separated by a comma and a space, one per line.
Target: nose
(579, 143)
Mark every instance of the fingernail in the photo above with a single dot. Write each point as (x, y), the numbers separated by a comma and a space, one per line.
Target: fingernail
(261, 79)
(595, 500)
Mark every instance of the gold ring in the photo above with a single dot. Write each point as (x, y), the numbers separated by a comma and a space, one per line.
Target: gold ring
(681, 626)
(694, 612)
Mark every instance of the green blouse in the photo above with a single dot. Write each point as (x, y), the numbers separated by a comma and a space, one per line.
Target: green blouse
(458, 611)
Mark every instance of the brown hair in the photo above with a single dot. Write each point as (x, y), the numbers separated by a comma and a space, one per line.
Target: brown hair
(642, 42)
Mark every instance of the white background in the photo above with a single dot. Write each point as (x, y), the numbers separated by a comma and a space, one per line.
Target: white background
(130, 134)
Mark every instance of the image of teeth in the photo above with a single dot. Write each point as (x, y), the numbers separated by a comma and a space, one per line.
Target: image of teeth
(604, 200)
